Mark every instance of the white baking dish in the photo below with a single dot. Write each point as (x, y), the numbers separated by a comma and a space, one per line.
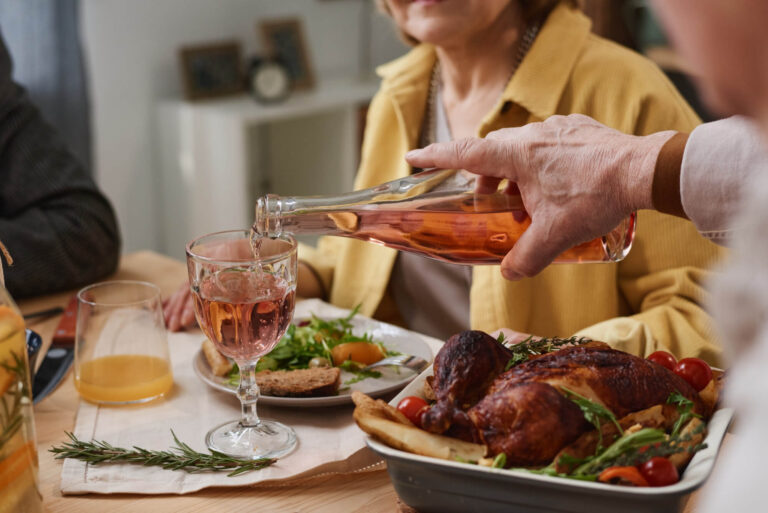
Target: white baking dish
(441, 486)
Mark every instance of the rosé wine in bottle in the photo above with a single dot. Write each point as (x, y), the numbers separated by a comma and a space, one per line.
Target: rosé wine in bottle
(435, 213)
(243, 313)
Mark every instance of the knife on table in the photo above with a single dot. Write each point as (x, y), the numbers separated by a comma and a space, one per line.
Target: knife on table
(60, 355)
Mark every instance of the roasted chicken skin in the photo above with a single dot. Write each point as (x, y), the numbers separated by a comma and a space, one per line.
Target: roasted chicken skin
(524, 412)
(464, 368)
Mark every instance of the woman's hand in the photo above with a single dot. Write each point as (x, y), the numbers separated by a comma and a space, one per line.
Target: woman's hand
(578, 180)
(179, 310)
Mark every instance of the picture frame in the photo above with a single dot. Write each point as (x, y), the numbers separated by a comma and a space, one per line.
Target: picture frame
(283, 39)
(212, 70)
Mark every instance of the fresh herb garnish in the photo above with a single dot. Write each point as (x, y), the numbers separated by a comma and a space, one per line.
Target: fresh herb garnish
(179, 457)
(628, 442)
(594, 413)
(665, 448)
(500, 461)
(534, 347)
(684, 409)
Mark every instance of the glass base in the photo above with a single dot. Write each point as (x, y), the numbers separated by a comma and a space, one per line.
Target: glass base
(269, 439)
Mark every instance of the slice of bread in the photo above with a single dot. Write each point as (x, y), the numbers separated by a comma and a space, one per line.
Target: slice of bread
(315, 382)
(219, 364)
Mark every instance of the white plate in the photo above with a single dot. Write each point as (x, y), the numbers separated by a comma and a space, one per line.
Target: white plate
(435, 485)
(392, 379)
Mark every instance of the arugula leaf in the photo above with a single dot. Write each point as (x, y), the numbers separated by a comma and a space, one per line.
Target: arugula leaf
(568, 460)
(500, 461)
(313, 338)
(636, 455)
(684, 409)
(630, 441)
(360, 374)
(594, 413)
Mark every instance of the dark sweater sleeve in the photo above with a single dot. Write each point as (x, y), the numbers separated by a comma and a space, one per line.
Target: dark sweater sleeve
(59, 229)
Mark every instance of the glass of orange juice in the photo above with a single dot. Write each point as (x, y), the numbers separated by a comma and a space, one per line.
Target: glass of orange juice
(121, 345)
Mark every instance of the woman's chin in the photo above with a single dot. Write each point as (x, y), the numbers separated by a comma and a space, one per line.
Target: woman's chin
(437, 31)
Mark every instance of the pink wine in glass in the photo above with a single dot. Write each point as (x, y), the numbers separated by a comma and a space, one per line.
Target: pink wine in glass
(242, 312)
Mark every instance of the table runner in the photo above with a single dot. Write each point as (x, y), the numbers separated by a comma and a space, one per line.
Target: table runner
(329, 440)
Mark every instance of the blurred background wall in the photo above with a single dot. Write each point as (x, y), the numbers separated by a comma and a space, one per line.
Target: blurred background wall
(131, 55)
(103, 71)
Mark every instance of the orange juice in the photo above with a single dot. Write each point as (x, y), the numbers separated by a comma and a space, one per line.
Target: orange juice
(123, 378)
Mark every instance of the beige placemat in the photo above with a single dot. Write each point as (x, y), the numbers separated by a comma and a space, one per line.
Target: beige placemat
(329, 440)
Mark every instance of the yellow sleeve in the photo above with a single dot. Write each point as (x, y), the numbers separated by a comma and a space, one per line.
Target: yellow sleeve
(664, 277)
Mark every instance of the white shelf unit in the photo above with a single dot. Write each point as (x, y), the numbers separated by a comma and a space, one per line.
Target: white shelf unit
(217, 156)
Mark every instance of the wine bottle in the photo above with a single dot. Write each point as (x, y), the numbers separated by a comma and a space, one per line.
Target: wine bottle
(435, 213)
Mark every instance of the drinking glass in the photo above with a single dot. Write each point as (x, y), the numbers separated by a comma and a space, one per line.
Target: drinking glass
(121, 345)
(19, 486)
(244, 299)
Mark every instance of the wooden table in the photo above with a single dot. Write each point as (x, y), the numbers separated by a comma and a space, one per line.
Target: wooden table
(370, 492)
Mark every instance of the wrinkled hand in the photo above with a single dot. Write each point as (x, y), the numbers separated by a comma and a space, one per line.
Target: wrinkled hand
(578, 180)
(179, 309)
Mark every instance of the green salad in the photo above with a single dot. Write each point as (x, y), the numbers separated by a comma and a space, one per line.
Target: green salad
(311, 343)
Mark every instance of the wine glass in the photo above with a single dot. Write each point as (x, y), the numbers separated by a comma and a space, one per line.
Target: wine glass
(244, 300)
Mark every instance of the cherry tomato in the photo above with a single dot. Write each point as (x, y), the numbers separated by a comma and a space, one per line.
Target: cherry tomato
(659, 471)
(695, 371)
(413, 408)
(664, 359)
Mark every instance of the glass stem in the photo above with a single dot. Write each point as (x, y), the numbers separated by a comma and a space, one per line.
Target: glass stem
(248, 392)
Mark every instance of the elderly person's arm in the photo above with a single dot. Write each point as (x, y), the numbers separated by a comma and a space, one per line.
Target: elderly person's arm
(579, 178)
(60, 230)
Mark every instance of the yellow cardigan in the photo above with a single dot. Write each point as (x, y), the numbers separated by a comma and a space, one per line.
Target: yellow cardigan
(651, 300)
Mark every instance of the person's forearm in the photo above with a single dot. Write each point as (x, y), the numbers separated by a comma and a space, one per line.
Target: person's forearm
(666, 177)
(54, 251)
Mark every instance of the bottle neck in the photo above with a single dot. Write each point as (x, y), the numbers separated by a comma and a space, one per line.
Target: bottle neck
(269, 220)
(325, 214)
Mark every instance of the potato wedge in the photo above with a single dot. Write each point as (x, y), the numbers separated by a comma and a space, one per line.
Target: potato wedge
(384, 422)
(710, 395)
(219, 364)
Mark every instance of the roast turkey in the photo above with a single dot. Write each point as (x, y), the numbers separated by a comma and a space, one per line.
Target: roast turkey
(525, 412)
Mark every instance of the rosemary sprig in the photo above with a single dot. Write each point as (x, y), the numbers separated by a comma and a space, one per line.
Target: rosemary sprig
(534, 347)
(179, 457)
(10, 412)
